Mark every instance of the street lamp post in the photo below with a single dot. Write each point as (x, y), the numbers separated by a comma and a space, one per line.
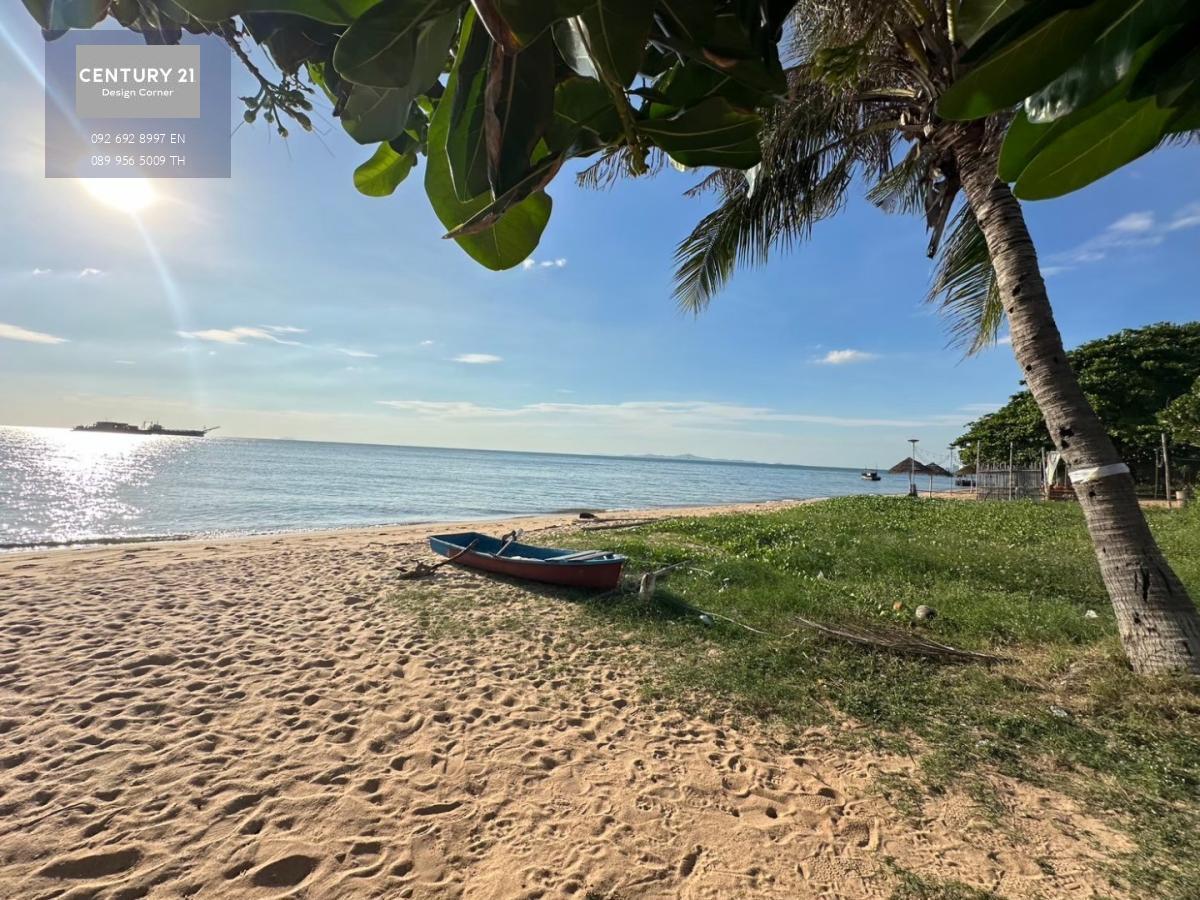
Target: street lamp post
(912, 468)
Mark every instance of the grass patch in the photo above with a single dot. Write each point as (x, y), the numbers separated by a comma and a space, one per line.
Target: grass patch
(1018, 578)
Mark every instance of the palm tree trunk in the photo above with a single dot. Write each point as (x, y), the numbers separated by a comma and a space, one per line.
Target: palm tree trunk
(1156, 618)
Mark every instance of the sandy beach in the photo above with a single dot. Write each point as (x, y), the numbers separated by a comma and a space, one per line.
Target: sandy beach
(278, 716)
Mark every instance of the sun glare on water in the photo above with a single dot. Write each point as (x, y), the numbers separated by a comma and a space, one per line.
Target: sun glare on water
(127, 195)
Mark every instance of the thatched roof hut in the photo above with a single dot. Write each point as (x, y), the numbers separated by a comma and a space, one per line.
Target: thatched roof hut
(935, 469)
(908, 464)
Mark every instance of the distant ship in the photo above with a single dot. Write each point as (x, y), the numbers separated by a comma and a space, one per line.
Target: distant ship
(152, 428)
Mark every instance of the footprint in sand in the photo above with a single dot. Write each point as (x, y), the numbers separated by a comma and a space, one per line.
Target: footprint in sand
(286, 871)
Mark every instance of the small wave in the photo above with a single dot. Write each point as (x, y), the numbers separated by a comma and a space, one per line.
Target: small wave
(91, 542)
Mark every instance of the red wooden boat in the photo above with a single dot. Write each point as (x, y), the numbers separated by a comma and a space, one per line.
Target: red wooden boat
(597, 569)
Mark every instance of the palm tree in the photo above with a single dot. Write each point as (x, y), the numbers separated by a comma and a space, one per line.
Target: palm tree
(864, 80)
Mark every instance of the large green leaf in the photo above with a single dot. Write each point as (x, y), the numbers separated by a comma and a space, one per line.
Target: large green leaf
(515, 234)
(606, 40)
(57, 15)
(1021, 144)
(1012, 71)
(1109, 59)
(383, 172)
(373, 114)
(977, 17)
(713, 133)
(1118, 134)
(336, 12)
(584, 116)
(515, 24)
(398, 43)
(466, 147)
(520, 97)
(535, 180)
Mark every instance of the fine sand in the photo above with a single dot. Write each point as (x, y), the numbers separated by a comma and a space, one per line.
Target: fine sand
(268, 717)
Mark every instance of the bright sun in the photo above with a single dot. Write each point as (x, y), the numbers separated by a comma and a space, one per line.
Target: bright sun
(128, 195)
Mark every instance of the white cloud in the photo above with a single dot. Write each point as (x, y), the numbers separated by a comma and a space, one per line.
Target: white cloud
(1133, 223)
(426, 343)
(38, 271)
(478, 359)
(124, 362)
(237, 335)
(531, 263)
(89, 272)
(671, 413)
(357, 354)
(844, 357)
(1005, 339)
(284, 329)
(17, 333)
(1188, 217)
(1133, 231)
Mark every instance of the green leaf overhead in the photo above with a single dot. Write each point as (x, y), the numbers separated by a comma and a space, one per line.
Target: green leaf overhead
(57, 15)
(1027, 62)
(531, 85)
(607, 39)
(713, 133)
(1109, 58)
(383, 172)
(1118, 134)
(515, 233)
(466, 96)
(515, 24)
(519, 106)
(977, 17)
(336, 12)
(398, 43)
(372, 114)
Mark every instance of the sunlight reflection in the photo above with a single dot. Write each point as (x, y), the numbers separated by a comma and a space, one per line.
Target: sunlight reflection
(68, 484)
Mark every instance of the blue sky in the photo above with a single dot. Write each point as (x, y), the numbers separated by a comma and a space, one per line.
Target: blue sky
(280, 303)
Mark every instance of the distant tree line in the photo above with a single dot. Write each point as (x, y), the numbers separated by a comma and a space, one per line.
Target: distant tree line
(1143, 382)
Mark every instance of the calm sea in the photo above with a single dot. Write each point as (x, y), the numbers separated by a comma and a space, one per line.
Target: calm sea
(60, 487)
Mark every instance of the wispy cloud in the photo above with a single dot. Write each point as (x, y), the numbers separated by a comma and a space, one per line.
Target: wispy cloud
(1138, 230)
(240, 334)
(845, 357)
(427, 343)
(89, 272)
(1005, 339)
(357, 354)
(284, 329)
(38, 272)
(684, 413)
(478, 359)
(124, 362)
(532, 263)
(17, 333)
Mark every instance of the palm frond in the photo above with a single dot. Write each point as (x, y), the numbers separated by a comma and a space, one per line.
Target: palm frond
(902, 188)
(965, 287)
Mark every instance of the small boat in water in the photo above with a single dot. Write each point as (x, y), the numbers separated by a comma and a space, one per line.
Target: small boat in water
(870, 475)
(505, 556)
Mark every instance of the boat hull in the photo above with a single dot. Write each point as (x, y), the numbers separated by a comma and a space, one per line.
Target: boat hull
(595, 574)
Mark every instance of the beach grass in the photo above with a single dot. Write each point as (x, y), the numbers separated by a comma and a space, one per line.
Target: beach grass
(1016, 579)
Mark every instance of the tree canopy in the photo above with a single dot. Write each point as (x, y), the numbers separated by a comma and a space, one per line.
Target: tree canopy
(1100, 83)
(1131, 378)
(496, 94)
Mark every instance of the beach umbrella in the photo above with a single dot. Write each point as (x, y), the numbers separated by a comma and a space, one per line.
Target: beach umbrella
(935, 469)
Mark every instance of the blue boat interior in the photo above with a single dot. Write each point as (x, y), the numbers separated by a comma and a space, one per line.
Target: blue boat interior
(449, 544)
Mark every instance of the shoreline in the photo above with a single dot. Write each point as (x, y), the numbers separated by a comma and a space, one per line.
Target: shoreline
(405, 532)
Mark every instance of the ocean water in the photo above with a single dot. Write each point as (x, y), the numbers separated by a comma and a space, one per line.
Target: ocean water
(59, 487)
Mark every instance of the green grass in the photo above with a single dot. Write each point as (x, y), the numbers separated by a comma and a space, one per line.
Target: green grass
(1014, 578)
